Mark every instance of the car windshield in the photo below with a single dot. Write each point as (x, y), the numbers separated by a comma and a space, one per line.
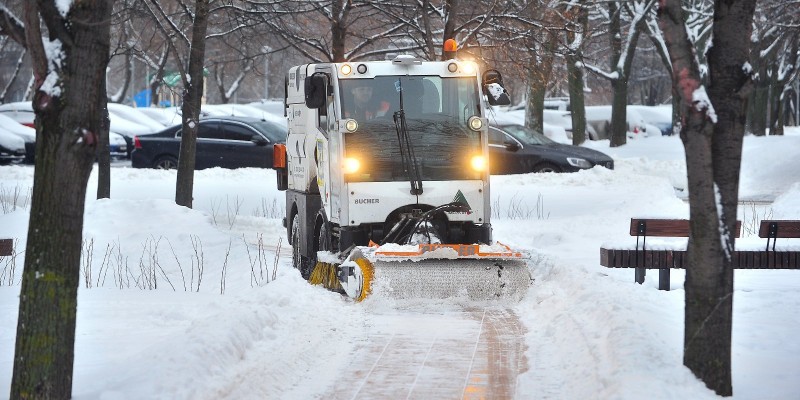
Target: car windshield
(436, 113)
(527, 135)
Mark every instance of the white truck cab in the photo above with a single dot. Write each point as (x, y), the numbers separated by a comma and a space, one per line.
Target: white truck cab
(372, 144)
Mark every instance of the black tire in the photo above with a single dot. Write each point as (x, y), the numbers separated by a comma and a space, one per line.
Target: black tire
(300, 262)
(166, 162)
(546, 167)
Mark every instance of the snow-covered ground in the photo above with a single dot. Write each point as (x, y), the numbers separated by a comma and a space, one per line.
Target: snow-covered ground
(196, 303)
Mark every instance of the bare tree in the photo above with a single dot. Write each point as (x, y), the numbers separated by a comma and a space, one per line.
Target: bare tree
(69, 56)
(623, 46)
(577, 18)
(772, 62)
(712, 134)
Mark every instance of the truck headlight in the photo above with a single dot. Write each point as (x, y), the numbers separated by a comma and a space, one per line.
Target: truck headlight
(351, 165)
(475, 123)
(351, 125)
(479, 163)
(579, 162)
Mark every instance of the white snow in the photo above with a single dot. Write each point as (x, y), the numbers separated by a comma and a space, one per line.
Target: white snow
(590, 332)
(703, 103)
(63, 7)
(55, 57)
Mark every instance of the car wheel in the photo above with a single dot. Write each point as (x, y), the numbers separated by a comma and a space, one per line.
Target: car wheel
(546, 167)
(166, 162)
(301, 263)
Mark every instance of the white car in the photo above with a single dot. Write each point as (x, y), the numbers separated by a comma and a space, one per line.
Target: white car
(12, 147)
(659, 116)
(20, 111)
(26, 133)
(135, 115)
(498, 116)
(599, 118)
(169, 116)
(242, 110)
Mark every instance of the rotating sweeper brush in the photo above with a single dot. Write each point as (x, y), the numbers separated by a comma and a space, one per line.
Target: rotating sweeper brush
(428, 270)
(475, 272)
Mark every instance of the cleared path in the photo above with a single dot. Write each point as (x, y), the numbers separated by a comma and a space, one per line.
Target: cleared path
(472, 353)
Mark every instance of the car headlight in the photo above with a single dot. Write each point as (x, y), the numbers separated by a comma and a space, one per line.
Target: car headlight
(579, 162)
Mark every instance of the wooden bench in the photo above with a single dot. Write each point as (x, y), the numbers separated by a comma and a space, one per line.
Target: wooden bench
(642, 259)
(6, 247)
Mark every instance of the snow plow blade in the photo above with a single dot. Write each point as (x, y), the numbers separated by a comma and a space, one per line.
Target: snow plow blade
(474, 272)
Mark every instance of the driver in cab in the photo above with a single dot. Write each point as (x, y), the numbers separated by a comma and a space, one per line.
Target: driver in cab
(363, 106)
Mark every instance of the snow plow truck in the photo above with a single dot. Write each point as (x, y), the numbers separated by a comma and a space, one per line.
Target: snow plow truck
(386, 174)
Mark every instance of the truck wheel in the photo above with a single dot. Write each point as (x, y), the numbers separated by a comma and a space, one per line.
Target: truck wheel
(301, 263)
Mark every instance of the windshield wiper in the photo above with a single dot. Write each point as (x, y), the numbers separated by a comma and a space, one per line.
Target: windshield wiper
(407, 156)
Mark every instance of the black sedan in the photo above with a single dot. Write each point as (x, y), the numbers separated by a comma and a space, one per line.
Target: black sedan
(227, 142)
(515, 149)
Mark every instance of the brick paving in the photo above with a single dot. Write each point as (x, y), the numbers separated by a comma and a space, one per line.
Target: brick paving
(474, 353)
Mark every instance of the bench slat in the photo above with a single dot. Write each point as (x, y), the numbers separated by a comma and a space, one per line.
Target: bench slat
(669, 227)
(786, 229)
(676, 259)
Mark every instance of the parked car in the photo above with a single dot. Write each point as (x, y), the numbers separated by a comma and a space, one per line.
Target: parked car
(515, 149)
(659, 116)
(227, 142)
(20, 121)
(135, 115)
(517, 117)
(26, 133)
(241, 110)
(598, 118)
(127, 129)
(20, 111)
(12, 147)
(167, 116)
(118, 146)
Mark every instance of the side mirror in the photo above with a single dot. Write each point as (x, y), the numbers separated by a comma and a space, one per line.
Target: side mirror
(493, 88)
(315, 91)
(511, 146)
(259, 140)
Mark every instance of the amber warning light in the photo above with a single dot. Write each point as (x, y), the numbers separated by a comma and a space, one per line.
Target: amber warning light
(279, 156)
(450, 47)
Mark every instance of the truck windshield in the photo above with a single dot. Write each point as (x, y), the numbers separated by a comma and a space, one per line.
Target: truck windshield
(436, 112)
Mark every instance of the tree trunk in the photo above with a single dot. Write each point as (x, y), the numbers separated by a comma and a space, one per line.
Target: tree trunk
(103, 152)
(192, 99)
(712, 135)
(538, 77)
(534, 108)
(619, 112)
(775, 105)
(757, 124)
(339, 29)
(576, 100)
(67, 126)
(578, 15)
(676, 112)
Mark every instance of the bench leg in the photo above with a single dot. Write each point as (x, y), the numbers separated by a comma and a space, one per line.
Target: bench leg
(640, 272)
(663, 279)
